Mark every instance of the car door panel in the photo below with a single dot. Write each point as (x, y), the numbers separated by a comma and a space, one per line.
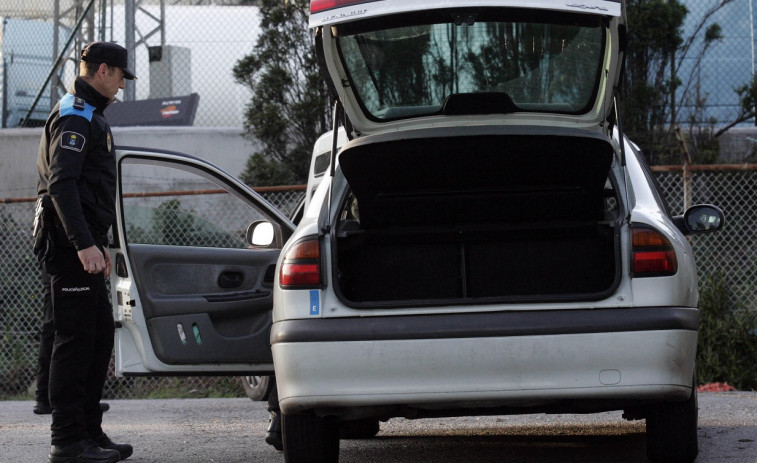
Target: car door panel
(190, 318)
(190, 295)
(178, 280)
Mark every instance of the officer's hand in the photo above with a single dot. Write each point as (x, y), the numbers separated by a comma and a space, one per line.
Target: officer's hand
(92, 259)
(108, 265)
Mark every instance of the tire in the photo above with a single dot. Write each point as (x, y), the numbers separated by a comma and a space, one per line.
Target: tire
(359, 429)
(257, 387)
(309, 439)
(672, 431)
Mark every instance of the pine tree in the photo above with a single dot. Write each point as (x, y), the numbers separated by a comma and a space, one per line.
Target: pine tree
(289, 108)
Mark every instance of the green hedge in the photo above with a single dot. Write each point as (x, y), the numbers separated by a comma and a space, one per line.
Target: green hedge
(727, 350)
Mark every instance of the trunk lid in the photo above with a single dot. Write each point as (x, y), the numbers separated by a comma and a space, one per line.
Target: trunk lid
(396, 65)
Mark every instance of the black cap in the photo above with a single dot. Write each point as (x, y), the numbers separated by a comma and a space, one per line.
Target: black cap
(108, 53)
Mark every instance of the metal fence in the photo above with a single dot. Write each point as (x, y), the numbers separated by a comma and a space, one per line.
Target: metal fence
(180, 47)
(191, 46)
(732, 252)
(21, 288)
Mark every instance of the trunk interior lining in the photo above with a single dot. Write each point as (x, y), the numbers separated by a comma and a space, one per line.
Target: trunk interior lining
(478, 217)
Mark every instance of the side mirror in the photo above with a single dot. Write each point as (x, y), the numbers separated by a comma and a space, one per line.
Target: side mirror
(703, 218)
(260, 234)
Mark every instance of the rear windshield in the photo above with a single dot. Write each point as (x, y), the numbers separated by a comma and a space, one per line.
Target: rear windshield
(411, 65)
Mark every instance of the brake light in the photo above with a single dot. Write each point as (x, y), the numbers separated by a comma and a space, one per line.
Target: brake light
(317, 6)
(301, 266)
(653, 255)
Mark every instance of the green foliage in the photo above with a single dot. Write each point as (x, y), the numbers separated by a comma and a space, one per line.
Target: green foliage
(171, 224)
(727, 337)
(655, 91)
(16, 370)
(654, 36)
(20, 286)
(289, 109)
(748, 97)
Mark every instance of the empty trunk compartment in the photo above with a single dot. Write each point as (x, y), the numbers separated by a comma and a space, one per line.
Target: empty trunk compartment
(472, 218)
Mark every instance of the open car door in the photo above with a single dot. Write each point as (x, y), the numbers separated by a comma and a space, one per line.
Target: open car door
(190, 294)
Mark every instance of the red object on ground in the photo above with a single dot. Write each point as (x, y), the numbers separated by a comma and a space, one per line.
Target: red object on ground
(715, 387)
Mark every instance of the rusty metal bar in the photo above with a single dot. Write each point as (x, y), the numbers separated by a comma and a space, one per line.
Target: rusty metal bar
(259, 190)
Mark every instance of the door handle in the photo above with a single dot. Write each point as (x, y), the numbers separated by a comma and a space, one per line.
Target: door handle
(230, 280)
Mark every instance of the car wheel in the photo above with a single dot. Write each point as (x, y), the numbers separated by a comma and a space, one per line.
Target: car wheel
(257, 387)
(308, 438)
(358, 429)
(672, 431)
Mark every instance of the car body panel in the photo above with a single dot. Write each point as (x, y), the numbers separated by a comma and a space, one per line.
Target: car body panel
(528, 373)
(320, 161)
(334, 12)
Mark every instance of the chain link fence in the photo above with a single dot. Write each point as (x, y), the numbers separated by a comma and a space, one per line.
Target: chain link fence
(184, 47)
(21, 303)
(180, 48)
(732, 251)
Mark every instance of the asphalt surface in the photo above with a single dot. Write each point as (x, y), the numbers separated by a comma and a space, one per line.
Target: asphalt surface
(232, 430)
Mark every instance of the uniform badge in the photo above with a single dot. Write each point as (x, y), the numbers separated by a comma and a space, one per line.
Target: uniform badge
(109, 141)
(72, 141)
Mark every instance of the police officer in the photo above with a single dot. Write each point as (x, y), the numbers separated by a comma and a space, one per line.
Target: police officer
(77, 171)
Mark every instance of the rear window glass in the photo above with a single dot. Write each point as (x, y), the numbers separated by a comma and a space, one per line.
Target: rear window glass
(409, 65)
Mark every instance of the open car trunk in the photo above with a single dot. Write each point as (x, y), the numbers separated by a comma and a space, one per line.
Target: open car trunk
(463, 218)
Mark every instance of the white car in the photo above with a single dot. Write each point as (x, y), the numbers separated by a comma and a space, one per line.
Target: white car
(483, 243)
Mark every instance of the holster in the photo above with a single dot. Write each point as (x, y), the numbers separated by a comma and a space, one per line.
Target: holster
(44, 229)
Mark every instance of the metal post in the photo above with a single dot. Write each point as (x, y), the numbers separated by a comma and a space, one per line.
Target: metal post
(55, 80)
(162, 23)
(686, 170)
(90, 25)
(103, 19)
(129, 16)
(58, 61)
(751, 36)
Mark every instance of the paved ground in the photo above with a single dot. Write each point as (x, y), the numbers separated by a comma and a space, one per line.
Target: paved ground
(232, 430)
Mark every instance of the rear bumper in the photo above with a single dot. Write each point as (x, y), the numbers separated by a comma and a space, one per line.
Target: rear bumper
(616, 356)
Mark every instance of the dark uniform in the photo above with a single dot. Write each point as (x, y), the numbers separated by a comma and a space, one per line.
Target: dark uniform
(77, 171)
(77, 168)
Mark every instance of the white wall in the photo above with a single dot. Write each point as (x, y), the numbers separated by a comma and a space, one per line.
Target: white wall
(224, 147)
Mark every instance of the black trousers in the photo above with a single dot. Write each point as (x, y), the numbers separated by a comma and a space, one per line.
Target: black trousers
(82, 348)
(47, 337)
(273, 397)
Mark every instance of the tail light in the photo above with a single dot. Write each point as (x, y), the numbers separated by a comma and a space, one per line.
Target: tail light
(301, 266)
(653, 255)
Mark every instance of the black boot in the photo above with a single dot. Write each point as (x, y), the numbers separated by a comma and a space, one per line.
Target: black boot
(124, 450)
(273, 435)
(83, 451)
(42, 408)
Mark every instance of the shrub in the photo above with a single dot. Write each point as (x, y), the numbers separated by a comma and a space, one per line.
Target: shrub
(727, 346)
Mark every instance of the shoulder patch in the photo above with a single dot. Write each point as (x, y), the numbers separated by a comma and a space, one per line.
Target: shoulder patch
(72, 141)
(75, 106)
